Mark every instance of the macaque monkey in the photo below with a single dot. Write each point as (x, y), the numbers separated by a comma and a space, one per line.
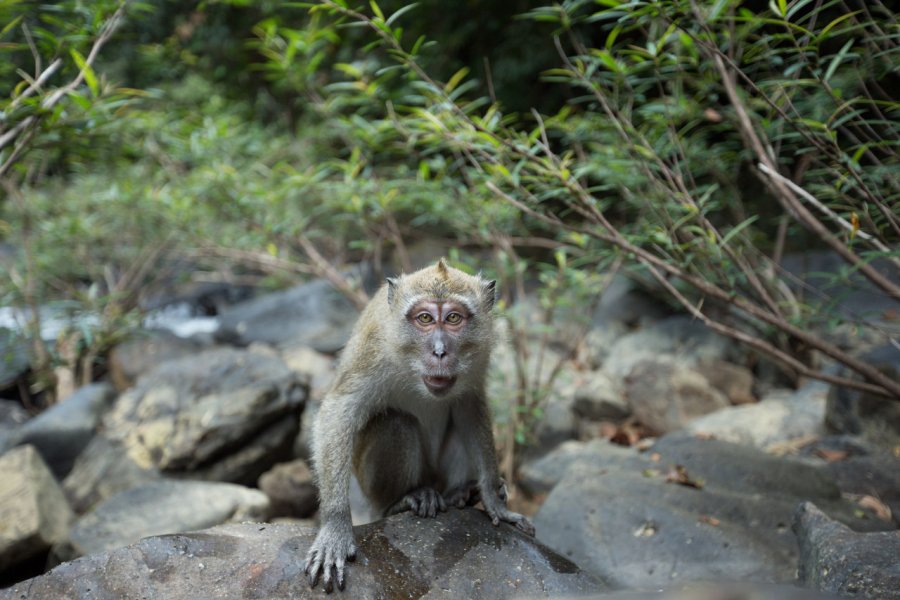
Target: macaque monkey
(408, 413)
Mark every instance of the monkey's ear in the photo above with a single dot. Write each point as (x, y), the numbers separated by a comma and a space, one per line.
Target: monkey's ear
(490, 293)
(392, 284)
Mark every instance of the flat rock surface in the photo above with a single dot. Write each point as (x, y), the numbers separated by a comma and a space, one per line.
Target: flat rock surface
(457, 555)
(686, 510)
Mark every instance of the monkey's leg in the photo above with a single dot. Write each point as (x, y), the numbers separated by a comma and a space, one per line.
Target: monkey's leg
(457, 470)
(392, 466)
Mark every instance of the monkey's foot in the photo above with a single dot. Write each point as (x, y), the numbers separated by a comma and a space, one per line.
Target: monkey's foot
(424, 502)
(469, 494)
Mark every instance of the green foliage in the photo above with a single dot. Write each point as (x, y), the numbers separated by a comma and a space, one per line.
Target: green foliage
(263, 127)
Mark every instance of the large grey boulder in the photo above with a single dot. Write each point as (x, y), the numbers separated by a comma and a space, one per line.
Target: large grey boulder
(457, 555)
(679, 336)
(686, 510)
(62, 431)
(538, 477)
(33, 511)
(777, 419)
(102, 470)
(599, 397)
(162, 507)
(835, 559)
(313, 314)
(666, 395)
(867, 415)
(144, 352)
(228, 413)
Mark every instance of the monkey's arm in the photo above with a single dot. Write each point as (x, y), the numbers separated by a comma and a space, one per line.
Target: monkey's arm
(335, 430)
(474, 421)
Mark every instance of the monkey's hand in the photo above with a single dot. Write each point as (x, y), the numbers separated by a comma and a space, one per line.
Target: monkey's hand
(497, 511)
(327, 556)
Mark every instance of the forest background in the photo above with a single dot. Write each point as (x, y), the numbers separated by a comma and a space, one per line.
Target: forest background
(688, 145)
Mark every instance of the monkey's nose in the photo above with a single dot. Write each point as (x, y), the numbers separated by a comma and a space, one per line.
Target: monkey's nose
(438, 349)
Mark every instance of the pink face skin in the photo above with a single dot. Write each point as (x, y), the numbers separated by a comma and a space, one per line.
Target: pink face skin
(440, 323)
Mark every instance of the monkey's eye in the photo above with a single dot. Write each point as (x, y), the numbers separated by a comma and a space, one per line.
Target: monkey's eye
(424, 318)
(454, 318)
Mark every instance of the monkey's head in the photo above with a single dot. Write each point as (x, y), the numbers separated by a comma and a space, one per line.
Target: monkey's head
(444, 326)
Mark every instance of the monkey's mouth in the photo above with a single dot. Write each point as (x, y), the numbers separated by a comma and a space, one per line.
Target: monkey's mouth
(437, 384)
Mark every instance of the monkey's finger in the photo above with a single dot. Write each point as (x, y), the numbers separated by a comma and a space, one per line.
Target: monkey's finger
(339, 568)
(525, 526)
(313, 575)
(442, 506)
(351, 553)
(328, 579)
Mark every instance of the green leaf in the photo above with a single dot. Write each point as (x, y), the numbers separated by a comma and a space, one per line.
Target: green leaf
(88, 72)
(400, 12)
(455, 79)
(836, 61)
(10, 25)
(739, 228)
(835, 23)
(376, 10)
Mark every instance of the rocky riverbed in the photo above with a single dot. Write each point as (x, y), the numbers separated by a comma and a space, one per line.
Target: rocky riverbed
(666, 456)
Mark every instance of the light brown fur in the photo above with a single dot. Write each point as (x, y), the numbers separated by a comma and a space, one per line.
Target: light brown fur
(408, 411)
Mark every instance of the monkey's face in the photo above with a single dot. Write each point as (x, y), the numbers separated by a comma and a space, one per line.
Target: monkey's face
(441, 328)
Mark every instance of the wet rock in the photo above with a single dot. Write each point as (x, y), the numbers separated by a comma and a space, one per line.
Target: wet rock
(458, 554)
(229, 413)
(158, 508)
(641, 522)
(777, 419)
(598, 397)
(665, 395)
(313, 314)
(144, 352)
(34, 513)
(13, 357)
(291, 489)
(102, 470)
(864, 414)
(62, 431)
(835, 559)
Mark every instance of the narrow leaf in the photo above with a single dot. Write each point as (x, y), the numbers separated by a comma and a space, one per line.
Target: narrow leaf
(836, 61)
(86, 69)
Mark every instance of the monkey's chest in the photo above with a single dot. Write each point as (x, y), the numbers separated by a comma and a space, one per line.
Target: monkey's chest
(433, 420)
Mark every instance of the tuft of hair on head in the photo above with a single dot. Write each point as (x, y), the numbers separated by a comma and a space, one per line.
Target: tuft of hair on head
(442, 268)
